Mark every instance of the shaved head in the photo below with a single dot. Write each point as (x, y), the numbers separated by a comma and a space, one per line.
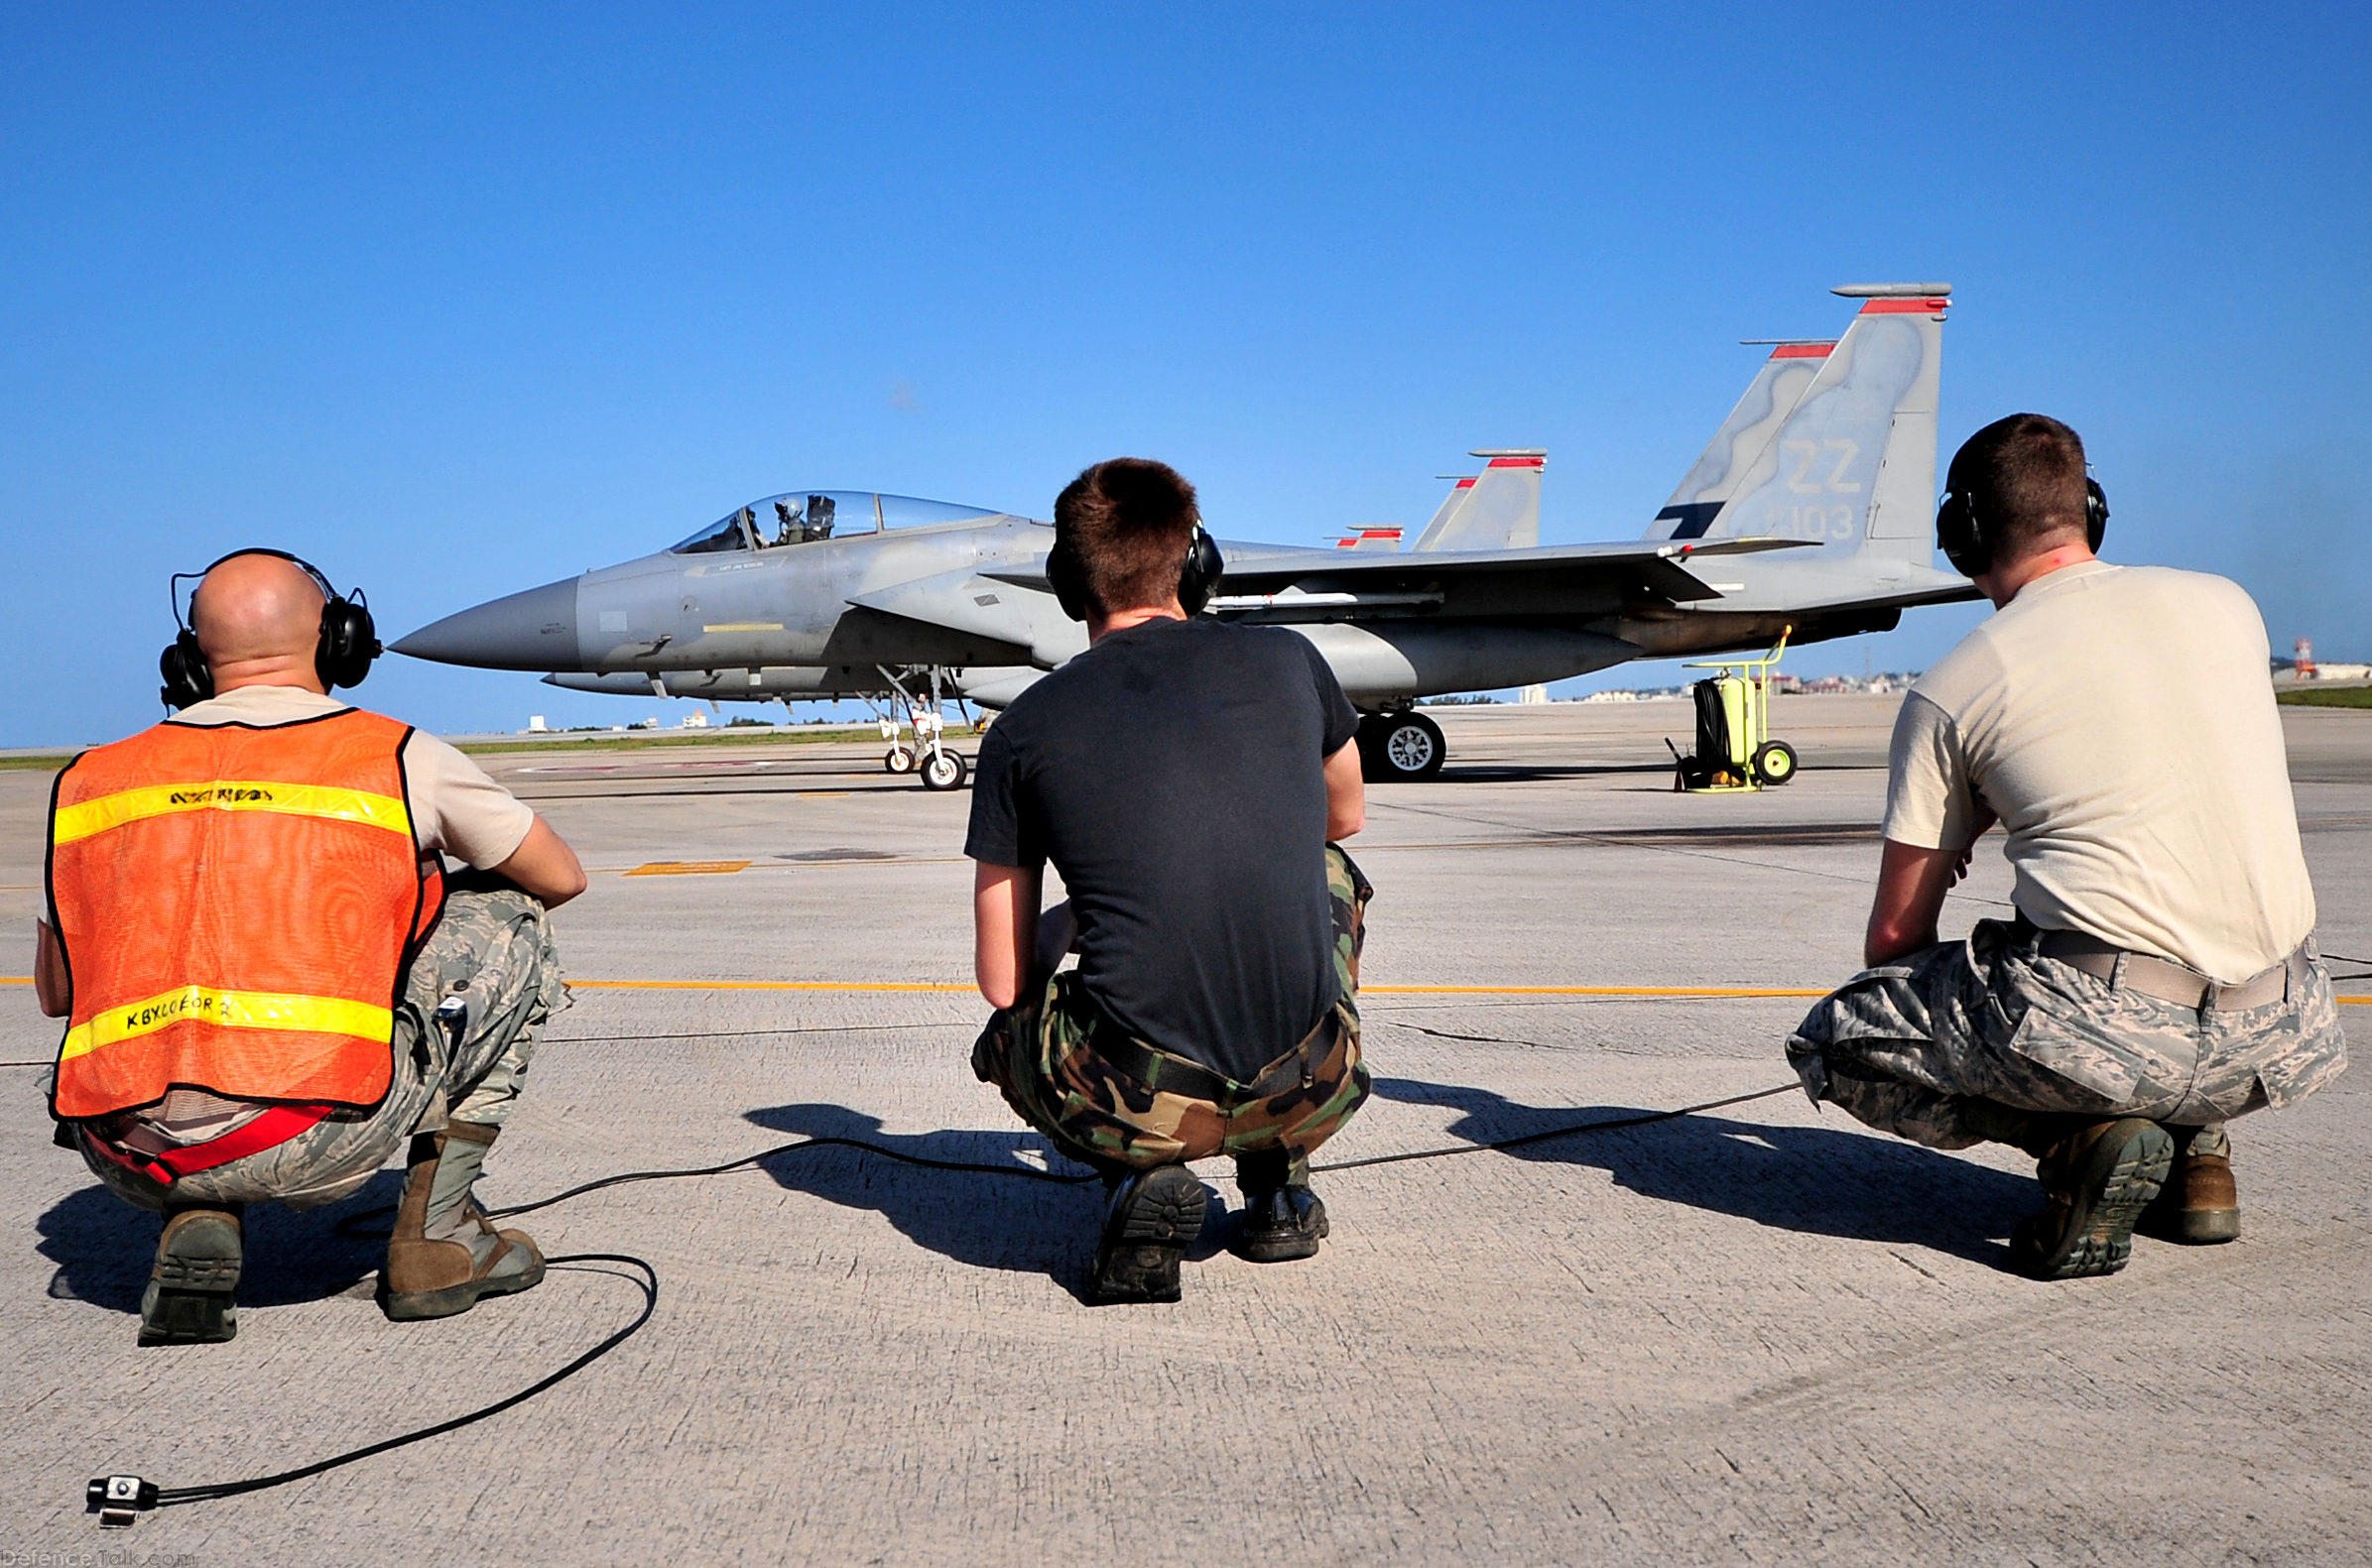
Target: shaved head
(258, 617)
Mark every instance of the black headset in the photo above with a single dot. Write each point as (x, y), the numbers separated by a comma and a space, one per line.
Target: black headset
(1967, 540)
(348, 641)
(1198, 576)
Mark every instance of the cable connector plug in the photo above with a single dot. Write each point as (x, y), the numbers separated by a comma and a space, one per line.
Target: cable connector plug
(118, 1500)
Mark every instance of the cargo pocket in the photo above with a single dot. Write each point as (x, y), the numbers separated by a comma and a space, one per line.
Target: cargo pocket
(2083, 1061)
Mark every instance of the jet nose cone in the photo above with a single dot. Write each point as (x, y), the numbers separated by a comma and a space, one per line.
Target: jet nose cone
(534, 629)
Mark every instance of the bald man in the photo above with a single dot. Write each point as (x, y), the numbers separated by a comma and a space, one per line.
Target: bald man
(270, 981)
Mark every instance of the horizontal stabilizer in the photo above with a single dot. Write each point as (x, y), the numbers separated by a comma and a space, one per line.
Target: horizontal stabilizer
(1893, 291)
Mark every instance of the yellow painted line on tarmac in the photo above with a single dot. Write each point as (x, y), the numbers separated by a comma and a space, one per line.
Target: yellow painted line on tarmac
(1365, 991)
(690, 868)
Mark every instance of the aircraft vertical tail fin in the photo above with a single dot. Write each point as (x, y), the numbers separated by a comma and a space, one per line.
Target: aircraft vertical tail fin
(1498, 508)
(1770, 398)
(1849, 462)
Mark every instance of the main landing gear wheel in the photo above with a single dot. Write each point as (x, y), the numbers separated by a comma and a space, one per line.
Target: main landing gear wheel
(899, 761)
(1400, 748)
(942, 771)
(1774, 762)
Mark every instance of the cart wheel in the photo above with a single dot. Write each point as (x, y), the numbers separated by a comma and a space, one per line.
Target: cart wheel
(1774, 761)
(899, 761)
(1401, 748)
(942, 771)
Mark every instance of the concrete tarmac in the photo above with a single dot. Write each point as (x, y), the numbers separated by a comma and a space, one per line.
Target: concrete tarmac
(1761, 1334)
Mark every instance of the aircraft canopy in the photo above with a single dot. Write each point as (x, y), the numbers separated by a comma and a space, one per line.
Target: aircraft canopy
(798, 517)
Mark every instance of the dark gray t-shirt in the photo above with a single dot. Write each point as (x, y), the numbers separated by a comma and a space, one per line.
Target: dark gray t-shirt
(1175, 774)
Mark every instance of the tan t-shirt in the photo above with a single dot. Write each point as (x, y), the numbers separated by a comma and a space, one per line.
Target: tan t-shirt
(456, 807)
(2120, 722)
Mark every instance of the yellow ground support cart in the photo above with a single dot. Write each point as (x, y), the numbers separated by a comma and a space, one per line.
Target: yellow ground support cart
(1734, 749)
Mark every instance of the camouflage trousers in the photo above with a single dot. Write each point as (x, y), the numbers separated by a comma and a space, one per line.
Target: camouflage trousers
(1043, 1057)
(492, 951)
(1904, 1047)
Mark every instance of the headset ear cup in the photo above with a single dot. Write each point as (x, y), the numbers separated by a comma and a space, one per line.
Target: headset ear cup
(188, 680)
(1960, 538)
(1203, 568)
(2095, 513)
(349, 643)
(1062, 574)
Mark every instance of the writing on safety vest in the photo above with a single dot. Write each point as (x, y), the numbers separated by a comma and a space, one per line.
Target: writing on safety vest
(237, 1010)
(359, 806)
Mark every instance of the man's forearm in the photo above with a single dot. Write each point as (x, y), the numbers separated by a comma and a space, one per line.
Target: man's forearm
(1912, 883)
(51, 986)
(1347, 793)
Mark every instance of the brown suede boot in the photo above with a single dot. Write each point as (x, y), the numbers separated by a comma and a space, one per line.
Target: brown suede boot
(2096, 1184)
(2200, 1203)
(445, 1253)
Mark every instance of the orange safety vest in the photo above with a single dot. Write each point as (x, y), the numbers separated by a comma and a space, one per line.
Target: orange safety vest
(238, 908)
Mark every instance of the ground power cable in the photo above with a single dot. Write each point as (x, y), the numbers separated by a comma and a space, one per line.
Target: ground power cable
(119, 1500)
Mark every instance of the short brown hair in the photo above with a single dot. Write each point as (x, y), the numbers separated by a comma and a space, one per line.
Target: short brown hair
(1129, 521)
(2025, 476)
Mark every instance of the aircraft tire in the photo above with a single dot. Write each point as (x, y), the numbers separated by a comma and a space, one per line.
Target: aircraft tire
(943, 772)
(1774, 763)
(1400, 748)
(899, 761)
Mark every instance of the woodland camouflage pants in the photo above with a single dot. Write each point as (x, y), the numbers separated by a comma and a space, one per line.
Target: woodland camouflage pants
(1043, 1057)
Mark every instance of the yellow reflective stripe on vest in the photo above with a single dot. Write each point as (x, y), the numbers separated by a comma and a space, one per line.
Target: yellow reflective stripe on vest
(227, 794)
(234, 1010)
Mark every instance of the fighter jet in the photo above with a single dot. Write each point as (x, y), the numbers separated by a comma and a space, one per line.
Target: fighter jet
(1809, 513)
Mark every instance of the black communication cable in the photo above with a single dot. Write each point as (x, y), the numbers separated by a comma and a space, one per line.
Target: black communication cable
(117, 1500)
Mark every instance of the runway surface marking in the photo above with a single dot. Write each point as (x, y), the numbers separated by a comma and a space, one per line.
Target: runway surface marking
(690, 868)
(1365, 991)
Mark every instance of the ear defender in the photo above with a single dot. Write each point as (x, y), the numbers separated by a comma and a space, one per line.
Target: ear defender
(1961, 536)
(1064, 576)
(1200, 574)
(188, 680)
(349, 642)
(342, 653)
(2095, 513)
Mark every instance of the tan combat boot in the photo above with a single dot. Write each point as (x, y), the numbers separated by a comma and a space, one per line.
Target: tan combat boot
(2200, 1203)
(445, 1253)
(2096, 1184)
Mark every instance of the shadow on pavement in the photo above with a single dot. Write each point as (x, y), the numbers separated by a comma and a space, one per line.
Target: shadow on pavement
(103, 1247)
(1818, 1181)
(986, 1221)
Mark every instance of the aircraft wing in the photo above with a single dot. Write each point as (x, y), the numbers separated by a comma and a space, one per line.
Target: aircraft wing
(1543, 579)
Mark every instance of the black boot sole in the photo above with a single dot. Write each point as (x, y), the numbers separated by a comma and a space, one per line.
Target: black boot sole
(192, 1291)
(1155, 1217)
(2120, 1175)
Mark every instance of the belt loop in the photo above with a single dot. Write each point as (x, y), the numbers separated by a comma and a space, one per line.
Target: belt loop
(2116, 970)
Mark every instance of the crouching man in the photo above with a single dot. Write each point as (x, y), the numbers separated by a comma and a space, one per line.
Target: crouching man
(2160, 977)
(1186, 777)
(269, 985)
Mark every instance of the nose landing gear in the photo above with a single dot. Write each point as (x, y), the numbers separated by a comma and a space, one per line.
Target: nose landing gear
(939, 768)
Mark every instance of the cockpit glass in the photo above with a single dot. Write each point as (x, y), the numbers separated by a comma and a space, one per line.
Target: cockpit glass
(804, 516)
(801, 516)
(726, 533)
(914, 512)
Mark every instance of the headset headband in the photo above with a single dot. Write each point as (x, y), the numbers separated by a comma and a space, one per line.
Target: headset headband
(321, 578)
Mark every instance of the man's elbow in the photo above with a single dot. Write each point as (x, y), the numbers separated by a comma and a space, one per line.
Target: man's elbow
(1887, 942)
(1342, 822)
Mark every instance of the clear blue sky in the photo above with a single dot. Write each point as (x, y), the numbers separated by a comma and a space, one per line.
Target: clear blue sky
(459, 300)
